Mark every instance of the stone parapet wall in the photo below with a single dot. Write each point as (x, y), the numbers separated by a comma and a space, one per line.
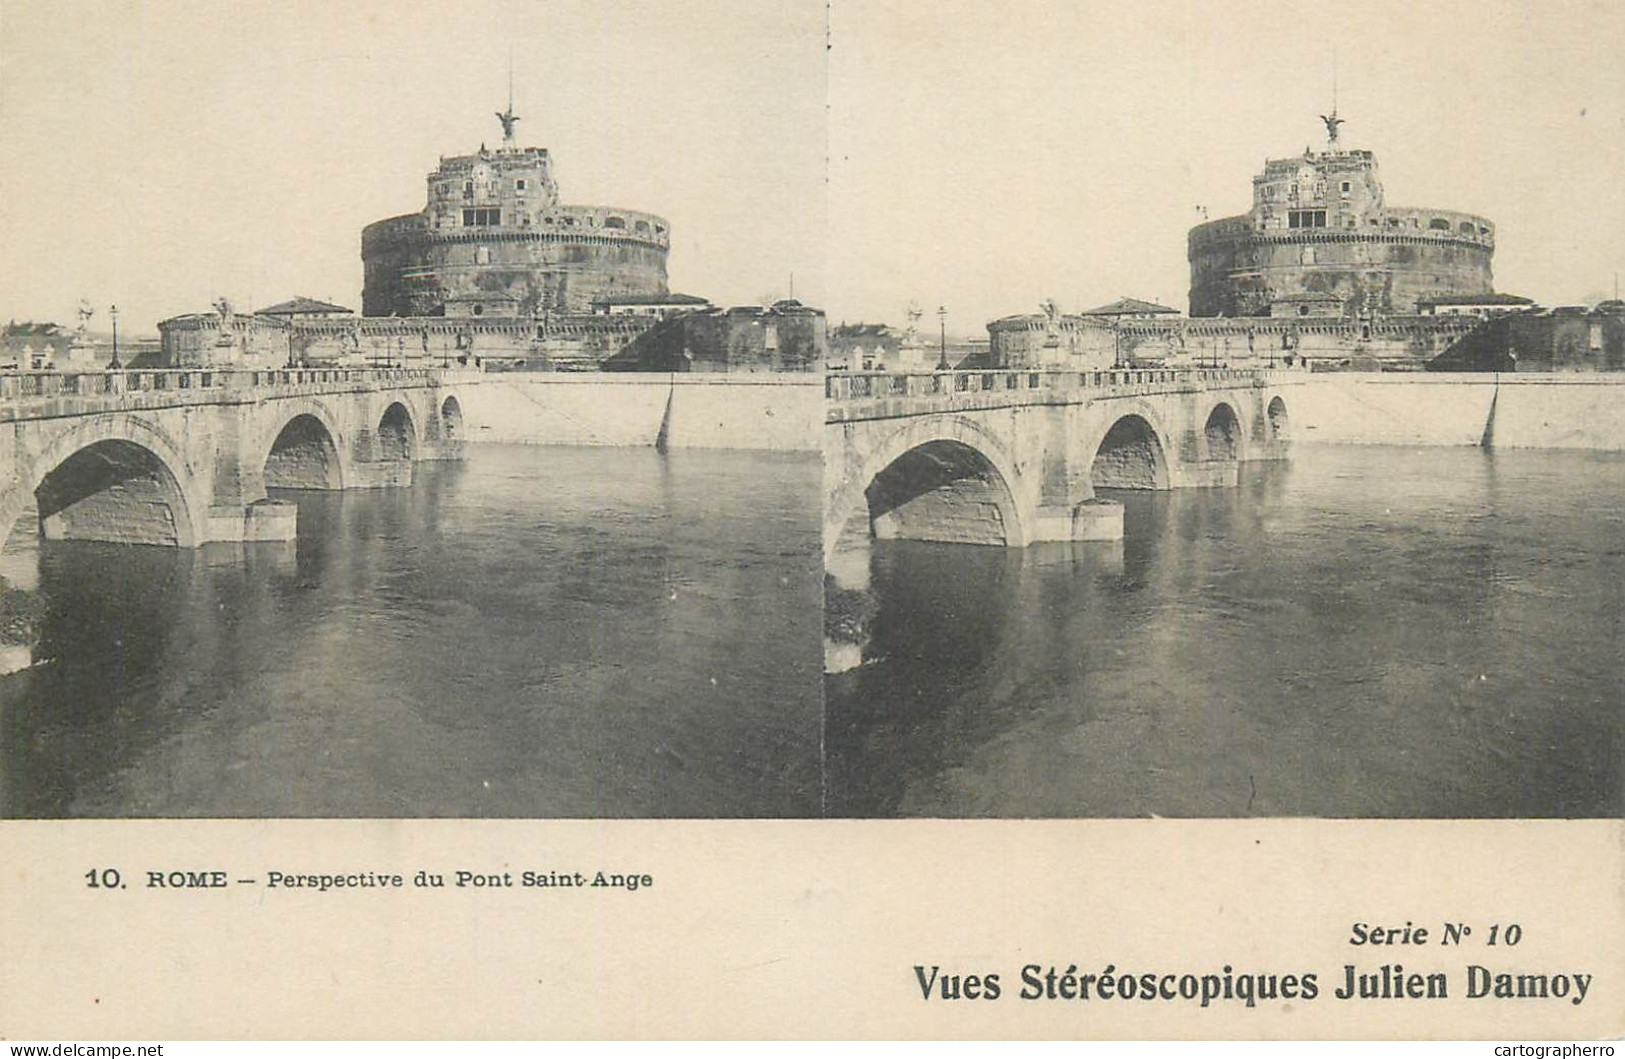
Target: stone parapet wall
(704, 411)
(1093, 343)
(200, 340)
(1507, 410)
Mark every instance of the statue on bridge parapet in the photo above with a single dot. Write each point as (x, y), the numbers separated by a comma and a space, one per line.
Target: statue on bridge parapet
(80, 347)
(225, 323)
(1052, 322)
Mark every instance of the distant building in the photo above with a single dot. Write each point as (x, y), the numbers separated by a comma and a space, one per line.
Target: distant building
(647, 304)
(1472, 304)
(494, 271)
(1130, 309)
(31, 346)
(303, 308)
(1565, 339)
(863, 347)
(1319, 224)
(493, 224)
(784, 337)
(1320, 272)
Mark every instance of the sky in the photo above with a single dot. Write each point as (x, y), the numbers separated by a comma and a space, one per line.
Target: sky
(987, 156)
(158, 155)
(982, 156)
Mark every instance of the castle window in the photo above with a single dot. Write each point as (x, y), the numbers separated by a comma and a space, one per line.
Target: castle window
(519, 185)
(614, 222)
(1439, 224)
(481, 218)
(1306, 218)
(1348, 186)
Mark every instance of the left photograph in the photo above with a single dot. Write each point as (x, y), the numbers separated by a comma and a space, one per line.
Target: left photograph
(412, 412)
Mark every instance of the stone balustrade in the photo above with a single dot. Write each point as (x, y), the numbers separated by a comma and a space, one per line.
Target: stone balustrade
(862, 386)
(20, 386)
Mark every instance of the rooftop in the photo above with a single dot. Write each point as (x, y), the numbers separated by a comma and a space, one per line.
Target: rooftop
(301, 306)
(650, 299)
(1126, 306)
(1474, 299)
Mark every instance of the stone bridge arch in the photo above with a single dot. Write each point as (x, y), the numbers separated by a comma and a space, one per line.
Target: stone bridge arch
(449, 415)
(398, 429)
(1276, 420)
(318, 449)
(1222, 427)
(115, 464)
(1142, 461)
(941, 477)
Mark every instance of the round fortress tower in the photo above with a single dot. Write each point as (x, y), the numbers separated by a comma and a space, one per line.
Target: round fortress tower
(493, 239)
(1319, 230)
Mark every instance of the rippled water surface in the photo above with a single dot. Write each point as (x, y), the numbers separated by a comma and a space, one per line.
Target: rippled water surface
(1366, 632)
(537, 632)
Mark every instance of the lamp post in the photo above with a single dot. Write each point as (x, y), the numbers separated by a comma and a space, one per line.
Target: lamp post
(942, 324)
(114, 365)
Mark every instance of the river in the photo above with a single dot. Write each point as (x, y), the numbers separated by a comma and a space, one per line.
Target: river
(1364, 632)
(535, 632)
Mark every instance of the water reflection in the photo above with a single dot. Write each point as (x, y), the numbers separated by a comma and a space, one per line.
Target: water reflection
(542, 632)
(1367, 632)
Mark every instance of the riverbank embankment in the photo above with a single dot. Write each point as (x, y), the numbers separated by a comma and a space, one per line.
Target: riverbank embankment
(1527, 411)
(782, 413)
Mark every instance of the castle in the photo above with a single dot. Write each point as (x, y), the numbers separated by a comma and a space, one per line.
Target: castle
(1320, 241)
(493, 239)
(1319, 273)
(495, 271)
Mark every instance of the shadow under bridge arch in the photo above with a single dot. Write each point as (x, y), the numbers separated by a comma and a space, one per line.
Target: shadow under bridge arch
(945, 489)
(451, 418)
(1130, 456)
(114, 489)
(1280, 424)
(396, 435)
(305, 454)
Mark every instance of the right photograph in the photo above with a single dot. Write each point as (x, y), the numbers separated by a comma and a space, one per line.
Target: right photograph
(1225, 412)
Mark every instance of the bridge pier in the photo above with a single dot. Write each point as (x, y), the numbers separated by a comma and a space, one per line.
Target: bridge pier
(1204, 474)
(265, 520)
(380, 474)
(1095, 520)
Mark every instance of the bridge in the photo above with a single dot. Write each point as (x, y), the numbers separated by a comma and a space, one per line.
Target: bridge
(184, 457)
(1014, 457)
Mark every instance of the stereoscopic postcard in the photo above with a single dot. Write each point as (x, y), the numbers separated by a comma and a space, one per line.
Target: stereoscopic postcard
(812, 519)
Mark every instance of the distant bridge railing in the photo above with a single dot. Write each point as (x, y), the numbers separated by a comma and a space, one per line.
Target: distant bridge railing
(19, 385)
(854, 386)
